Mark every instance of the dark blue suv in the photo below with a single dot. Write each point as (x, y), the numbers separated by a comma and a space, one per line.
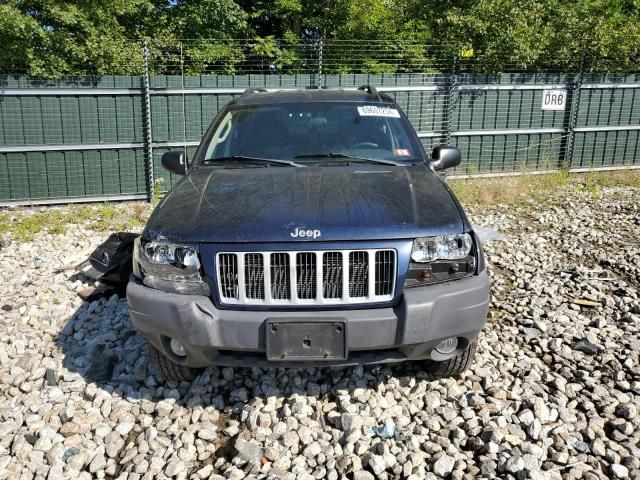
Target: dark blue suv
(310, 228)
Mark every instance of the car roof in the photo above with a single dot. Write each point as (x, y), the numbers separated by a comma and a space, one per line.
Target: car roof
(303, 95)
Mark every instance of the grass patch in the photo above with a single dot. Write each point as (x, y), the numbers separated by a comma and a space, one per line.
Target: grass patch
(528, 188)
(24, 224)
(24, 227)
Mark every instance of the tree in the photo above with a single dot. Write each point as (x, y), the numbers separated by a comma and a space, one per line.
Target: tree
(50, 38)
(516, 35)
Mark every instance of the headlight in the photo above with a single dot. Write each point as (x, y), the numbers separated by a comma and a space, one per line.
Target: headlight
(180, 256)
(169, 267)
(441, 247)
(441, 259)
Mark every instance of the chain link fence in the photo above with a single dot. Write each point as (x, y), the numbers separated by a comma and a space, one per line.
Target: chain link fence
(95, 138)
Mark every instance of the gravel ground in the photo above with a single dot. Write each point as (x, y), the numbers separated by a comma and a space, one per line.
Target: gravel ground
(554, 391)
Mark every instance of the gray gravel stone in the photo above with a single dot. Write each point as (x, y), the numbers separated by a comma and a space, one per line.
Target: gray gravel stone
(444, 465)
(78, 399)
(174, 468)
(619, 471)
(362, 475)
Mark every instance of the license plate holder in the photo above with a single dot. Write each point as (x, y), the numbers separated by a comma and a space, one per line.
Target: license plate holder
(302, 340)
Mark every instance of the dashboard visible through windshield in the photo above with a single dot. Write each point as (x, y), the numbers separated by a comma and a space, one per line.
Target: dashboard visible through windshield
(313, 132)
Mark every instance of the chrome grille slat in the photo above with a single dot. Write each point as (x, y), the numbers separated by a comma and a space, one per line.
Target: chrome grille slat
(280, 276)
(306, 275)
(227, 275)
(333, 277)
(254, 275)
(385, 264)
(358, 274)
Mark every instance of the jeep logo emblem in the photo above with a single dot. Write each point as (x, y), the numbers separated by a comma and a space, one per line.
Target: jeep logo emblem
(302, 233)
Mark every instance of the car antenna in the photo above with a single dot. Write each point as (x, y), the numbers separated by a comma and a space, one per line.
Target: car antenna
(370, 89)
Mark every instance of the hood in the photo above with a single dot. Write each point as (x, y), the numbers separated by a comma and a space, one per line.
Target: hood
(285, 204)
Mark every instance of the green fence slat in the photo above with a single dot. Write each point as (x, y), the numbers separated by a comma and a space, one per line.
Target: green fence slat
(160, 119)
(107, 119)
(56, 174)
(17, 170)
(37, 175)
(141, 171)
(128, 171)
(110, 166)
(89, 123)
(74, 163)
(70, 120)
(5, 178)
(93, 176)
(32, 123)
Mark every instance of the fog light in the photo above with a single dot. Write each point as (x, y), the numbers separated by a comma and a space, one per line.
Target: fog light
(447, 346)
(177, 348)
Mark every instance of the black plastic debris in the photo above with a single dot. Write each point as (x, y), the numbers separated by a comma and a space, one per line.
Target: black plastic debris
(585, 346)
(111, 263)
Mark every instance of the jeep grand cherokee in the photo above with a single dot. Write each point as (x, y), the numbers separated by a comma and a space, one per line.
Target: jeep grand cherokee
(310, 228)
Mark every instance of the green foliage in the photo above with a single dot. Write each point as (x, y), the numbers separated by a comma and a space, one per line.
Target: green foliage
(600, 35)
(50, 38)
(53, 38)
(158, 191)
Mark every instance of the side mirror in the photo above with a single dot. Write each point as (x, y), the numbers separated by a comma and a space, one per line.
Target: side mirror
(175, 162)
(444, 156)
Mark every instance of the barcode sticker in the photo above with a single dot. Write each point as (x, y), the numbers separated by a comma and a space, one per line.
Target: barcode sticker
(375, 111)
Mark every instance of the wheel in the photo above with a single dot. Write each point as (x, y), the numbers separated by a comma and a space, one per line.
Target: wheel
(170, 370)
(456, 365)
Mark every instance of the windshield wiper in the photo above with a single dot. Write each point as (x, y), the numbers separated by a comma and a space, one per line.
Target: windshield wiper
(350, 157)
(244, 158)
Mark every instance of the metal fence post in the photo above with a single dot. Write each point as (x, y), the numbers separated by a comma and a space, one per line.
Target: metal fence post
(320, 55)
(184, 110)
(451, 85)
(575, 104)
(147, 138)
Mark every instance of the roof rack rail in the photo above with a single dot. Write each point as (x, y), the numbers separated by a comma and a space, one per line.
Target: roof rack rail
(370, 89)
(252, 90)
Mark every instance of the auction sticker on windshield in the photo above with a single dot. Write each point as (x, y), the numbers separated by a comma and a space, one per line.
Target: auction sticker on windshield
(375, 111)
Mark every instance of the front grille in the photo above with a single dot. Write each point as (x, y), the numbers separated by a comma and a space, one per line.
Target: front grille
(306, 278)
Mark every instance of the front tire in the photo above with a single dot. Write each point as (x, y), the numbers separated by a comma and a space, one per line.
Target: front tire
(170, 370)
(456, 365)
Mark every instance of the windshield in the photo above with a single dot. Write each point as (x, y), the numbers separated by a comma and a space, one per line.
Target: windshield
(313, 132)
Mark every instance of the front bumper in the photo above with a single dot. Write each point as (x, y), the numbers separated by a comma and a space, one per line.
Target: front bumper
(409, 331)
